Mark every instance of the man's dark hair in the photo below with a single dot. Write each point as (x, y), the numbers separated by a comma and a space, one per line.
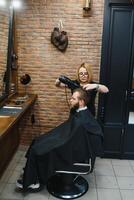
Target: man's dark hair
(82, 95)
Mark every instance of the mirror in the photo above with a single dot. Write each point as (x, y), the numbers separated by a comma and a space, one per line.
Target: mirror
(4, 43)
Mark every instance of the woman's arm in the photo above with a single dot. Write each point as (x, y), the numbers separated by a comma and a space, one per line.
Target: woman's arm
(99, 87)
(103, 88)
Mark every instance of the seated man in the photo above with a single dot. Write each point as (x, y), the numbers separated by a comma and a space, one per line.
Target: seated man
(76, 140)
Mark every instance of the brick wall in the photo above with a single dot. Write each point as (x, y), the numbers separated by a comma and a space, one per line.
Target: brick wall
(39, 58)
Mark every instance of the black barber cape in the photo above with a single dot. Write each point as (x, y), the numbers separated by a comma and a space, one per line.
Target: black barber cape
(77, 139)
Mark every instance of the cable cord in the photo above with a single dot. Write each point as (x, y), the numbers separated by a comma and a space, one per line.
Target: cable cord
(67, 97)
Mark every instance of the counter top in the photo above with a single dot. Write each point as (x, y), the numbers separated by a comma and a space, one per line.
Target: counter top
(8, 120)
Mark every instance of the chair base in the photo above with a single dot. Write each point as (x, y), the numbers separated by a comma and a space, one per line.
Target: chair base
(58, 187)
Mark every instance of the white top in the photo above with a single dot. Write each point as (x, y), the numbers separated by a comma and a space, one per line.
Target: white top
(80, 109)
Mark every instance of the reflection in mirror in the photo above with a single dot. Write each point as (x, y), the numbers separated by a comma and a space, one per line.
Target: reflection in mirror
(4, 29)
(131, 118)
(133, 81)
(131, 103)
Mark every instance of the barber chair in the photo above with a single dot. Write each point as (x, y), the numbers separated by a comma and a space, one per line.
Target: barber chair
(70, 184)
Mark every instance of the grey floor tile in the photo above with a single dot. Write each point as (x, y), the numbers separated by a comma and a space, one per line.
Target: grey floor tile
(12, 164)
(91, 179)
(6, 175)
(126, 182)
(132, 168)
(23, 159)
(18, 155)
(90, 194)
(120, 162)
(104, 169)
(15, 175)
(108, 194)
(23, 148)
(102, 161)
(123, 170)
(111, 179)
(10, 193)
(106, 182)
(20, 165)
(42, 195)
(2, 185)
(52, 198)
(127, 194)
(131, 162)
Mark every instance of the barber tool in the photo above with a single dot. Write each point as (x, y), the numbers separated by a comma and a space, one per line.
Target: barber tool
(71, 84)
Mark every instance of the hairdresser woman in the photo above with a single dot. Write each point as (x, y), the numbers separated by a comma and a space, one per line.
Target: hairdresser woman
(84, 78)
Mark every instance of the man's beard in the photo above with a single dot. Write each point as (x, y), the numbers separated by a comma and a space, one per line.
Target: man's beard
(74, 107)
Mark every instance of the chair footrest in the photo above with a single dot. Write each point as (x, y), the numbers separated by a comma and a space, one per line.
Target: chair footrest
(76, 169)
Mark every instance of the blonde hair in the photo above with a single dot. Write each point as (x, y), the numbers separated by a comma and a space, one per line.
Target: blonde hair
(89, 70)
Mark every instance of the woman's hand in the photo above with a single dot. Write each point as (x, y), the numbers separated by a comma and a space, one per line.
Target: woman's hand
(90, 86)
(99, 87)
(57, 82)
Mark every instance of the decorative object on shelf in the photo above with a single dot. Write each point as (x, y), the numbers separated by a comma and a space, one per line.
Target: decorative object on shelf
(25, 80)
(87, 5)
(59, 37)
(87, 11)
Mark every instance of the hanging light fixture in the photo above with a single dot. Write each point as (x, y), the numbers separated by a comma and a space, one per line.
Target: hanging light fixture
(3, 3)
(87, 5)
(16, 4)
